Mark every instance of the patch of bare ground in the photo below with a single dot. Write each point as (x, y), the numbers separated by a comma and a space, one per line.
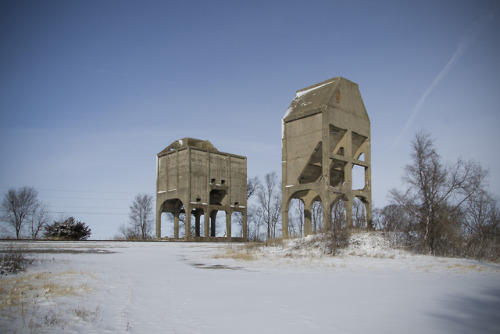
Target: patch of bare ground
(245, 253)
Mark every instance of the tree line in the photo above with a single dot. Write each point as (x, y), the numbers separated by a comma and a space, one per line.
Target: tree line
(25, 215)
(441, 209)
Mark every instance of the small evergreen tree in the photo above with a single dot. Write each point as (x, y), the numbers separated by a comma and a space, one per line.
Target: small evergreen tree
(69, 229)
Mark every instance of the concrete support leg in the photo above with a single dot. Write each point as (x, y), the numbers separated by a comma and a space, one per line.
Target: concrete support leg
(228, 224)
(327, 216)
(188, 223)
(206, 224)
(158, 224)
(213, 222)
(197, 223)
(348, 213)
(284, 223)
(314, 222)
(369, 218)
(176, 224)
(307, 222)
(244, 227)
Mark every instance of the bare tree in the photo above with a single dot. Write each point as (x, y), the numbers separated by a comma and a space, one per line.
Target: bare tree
(393, 217)
(435, 193)
(252, 186)
(299, 212)
(339, 233)
(18, 207)
(124, 232)
(339, 214)
(358, 213)
(317, 216)
(269, 198)
(482, 226)
(296, 217)
(39, 218)
(255, 221)
(141, 217)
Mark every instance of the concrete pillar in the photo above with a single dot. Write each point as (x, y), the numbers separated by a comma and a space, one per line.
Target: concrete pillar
(188, 223)
(228, 223)
(176, 224)
(368, 210)
(206, 224)
(348, 165)
(244, 226)
(307, 221)
(213, 222)
(197, 215)
(327, 215)
(158, 224)
(348, 212)
(284, 221)
(314, 221)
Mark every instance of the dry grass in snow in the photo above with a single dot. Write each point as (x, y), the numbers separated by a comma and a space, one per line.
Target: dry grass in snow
(361, 244)
(312, 251)
(25, 294)
(291, 286)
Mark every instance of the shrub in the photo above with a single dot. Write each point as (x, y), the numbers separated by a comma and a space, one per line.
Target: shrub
(69, 229)
(337, 237)
(13, 261)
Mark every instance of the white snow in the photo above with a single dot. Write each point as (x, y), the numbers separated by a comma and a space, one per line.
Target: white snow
(288, 111)
(173, 287)
(304, 92)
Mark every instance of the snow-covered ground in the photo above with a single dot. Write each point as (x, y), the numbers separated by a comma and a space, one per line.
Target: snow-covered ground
(168, 287)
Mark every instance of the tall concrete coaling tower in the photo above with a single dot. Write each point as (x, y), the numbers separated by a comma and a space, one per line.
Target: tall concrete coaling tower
(326, 133)
(196, 179)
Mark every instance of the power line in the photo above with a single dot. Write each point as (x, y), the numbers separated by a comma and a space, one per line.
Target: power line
(92, 198)
(85, 207)
(85, 191)
(89, 192)
(87, 213)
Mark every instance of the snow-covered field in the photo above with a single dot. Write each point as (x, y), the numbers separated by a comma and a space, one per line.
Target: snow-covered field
(167, 287)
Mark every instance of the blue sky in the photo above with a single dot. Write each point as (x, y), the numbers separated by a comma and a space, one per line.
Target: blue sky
(91, 91)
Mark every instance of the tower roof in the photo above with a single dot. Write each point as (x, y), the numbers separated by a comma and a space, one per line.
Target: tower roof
(338, 93)
(183, 143)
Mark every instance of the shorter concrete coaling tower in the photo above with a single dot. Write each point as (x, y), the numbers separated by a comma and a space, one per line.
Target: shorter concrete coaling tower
(326, 133)
(194, 177)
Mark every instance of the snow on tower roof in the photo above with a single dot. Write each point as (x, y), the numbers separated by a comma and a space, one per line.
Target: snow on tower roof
(183, 143)
(337, 92)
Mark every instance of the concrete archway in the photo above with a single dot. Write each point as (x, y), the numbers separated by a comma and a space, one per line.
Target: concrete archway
(174, 207)
(308, 198)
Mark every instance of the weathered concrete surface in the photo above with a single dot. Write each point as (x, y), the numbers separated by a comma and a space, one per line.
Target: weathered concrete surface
(326, 131)
(194, 177)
